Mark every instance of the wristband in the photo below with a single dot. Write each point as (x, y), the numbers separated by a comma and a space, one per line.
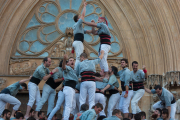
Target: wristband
(62, 78)
(72, 51)
(145, 71)
(51, 73)
(126, 92)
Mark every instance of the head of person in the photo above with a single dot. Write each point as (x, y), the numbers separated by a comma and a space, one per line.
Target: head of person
(117, 113)
(71, 62)
(31, 118)
(124, 63)
(130, 116)
(54, 117)
(84, 107)
(16, 112)
(31, 113)
(102, 73)
(41, 114)
(6, 114)
(47, 61)
(24, 86)
(19, 116)
(137, 116)
(135, 66)
(102, 20)
(113, 70)
(76, 18)
(143, 115)
(165, 113)
(157, 113)
(61, 62)
(158, 89)
(98, 108)
(83, 56)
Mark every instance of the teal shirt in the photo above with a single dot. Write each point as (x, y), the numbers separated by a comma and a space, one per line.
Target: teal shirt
(78, 27)
(113, 81)
(14, 88)
(75, 116)
(40, 72)
(139, 76)
(160, 118)
(88, 115)
(58, 74)
(125, 76)
(87, 65)
(112, 118)
(101, 85)
(166, 96)
(69, 74)
(103, 29)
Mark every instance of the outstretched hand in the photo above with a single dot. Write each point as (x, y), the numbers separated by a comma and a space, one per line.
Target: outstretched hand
(85, 4)
(144, 67)
(55, 70)
(92, 21)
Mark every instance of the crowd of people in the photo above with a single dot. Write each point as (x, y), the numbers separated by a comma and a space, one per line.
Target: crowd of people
(83, 91)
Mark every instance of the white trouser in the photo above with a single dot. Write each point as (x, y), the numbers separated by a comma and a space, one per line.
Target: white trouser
(134, 102)
(124, 102)
(34, 94)
(173, 108)
(100, 98)
(70, 101)
(6, 98)
(104, 64)
(87, 88)
(48, 94)
(79, 48)
(113, 103)
(60, 101)
(76, 110)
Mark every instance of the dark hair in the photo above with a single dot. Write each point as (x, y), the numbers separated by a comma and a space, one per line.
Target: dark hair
(31, 118)
(5, 112)
(18, 115)
(60, 64)
(42, 119)
(97, 74)
(165, 111)
(70, 58)
(126, 119)
(45, 59)
(142, 113)
(137, 116)
(76, 18)
(16, 112)
(114, 69)
(160, 111)
(134, 62)
(24, 85)
(99, 105)
(115, 111)
(39, 113)
(130, 115)
(31, 110)
(84, 107)
(83, 55)
(125, 60)
(158, 87)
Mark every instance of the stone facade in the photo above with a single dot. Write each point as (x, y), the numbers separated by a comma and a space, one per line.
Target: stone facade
(146, 30)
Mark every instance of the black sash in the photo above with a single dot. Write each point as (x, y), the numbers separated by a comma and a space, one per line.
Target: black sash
(87, 76)
(35, 80)
(51, 83)
(113, 91)
(172, 102)
(70, 83)
(123, 87)
(79, 37)
(5, 91)
(138, 85)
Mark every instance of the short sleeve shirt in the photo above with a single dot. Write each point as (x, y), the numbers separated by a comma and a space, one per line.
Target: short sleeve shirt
(78, 28)
(40, 72)
(103, 29)
(139, 76)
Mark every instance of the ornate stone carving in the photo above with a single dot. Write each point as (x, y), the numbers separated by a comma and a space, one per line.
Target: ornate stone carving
(2, 83)
(153, 80)
(172, 77)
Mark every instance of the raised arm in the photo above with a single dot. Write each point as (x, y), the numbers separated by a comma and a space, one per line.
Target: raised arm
(94, 32)
(90, 24)
(83, 12)
(145, 71)
(24, 80)
(64, 62)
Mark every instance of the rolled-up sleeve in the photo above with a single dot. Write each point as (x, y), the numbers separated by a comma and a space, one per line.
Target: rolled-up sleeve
(112, 80)
(127, 78)
(97, 61)
(56, 75)
(99, 25)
